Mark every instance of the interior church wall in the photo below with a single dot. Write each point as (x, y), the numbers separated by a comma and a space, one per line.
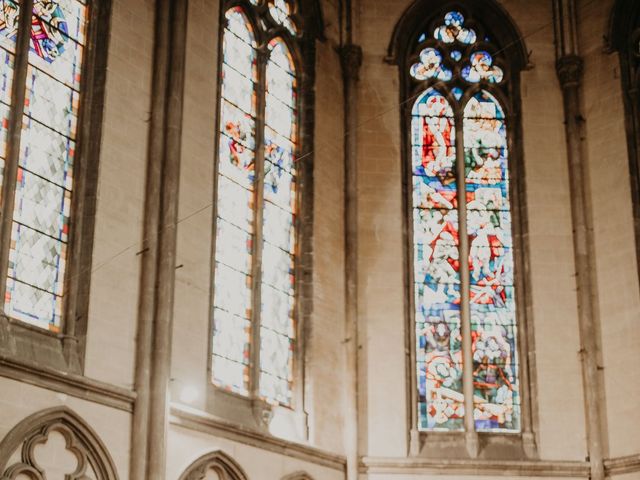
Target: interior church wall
(324, 358)
(382, 375)
(558, 388)
(615, 254)
(113, 304)
(19, 400)
(558, 396)
(325, 361)
(185, 446)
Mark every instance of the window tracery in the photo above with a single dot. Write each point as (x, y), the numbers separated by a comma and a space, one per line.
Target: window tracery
(256, 246)
(464, 297)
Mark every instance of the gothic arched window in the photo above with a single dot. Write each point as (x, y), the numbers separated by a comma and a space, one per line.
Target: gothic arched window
(460, 116)
(50, 111)
(257, 203)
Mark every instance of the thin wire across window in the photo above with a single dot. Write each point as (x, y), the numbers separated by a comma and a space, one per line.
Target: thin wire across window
(462, 247)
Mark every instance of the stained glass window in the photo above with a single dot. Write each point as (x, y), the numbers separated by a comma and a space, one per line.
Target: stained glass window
(254, 331)
(37, 256)
(463, 285)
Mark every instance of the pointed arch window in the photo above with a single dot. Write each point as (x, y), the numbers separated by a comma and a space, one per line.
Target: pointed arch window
(256, 235)
(52, 65)
(467, 361)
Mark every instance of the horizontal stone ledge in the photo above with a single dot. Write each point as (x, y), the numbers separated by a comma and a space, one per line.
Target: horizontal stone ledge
(620, 465)
(203, 422)
(71, 384)
(503, 468)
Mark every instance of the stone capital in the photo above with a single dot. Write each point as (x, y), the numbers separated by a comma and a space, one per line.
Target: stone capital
(569, 69)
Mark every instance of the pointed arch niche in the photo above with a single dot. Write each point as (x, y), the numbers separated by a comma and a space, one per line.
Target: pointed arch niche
(214, 466)
(470, 385)
(23, 451)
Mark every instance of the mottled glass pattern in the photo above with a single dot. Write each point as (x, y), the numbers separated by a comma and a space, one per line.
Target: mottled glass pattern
(453, 30)
(42, 209)
(235, 207)
(281, 11)
(436, 264)
(481, 68)
(493, 320)
(277, 328)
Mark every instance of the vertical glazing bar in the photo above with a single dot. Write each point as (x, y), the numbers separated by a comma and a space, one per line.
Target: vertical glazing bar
(13, 139)
(471, 436)
(262, 58)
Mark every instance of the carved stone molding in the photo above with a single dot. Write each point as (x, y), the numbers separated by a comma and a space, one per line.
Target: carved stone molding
(569, 69)
(94, 461)
(218, 461)
(298, 476)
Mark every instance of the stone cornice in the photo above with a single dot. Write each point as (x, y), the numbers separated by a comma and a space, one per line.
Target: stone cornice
(200, 421)
(68, 383)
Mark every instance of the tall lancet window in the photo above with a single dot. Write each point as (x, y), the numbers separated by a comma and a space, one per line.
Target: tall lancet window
(52, 74)
(256, 235)
(462, 248)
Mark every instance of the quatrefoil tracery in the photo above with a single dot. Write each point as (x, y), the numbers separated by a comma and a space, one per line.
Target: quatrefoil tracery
(453, 53)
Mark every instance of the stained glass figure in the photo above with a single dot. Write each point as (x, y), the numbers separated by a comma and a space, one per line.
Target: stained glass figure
(438, 279)
(453, 30)
(233, 277)
(42, 209)
(263, 369)
(436, 264)
(430, 66)
(495, 366)
(481, 68)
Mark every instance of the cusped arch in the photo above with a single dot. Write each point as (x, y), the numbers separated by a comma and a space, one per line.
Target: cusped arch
(298, 476)
(221, 463)
(34, 430)
(504, 30)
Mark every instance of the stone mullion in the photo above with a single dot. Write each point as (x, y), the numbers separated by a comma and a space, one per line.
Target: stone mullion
(13, 140)
(471, 437)
(254, 372)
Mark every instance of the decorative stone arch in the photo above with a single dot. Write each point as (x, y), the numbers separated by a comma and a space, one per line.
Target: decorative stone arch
(298, 476)
(507, 35)
(79, 437)
(221, 463)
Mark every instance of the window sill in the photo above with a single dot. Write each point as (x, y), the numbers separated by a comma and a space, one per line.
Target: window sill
(32, 345)
(257, 415)
(490, 446)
